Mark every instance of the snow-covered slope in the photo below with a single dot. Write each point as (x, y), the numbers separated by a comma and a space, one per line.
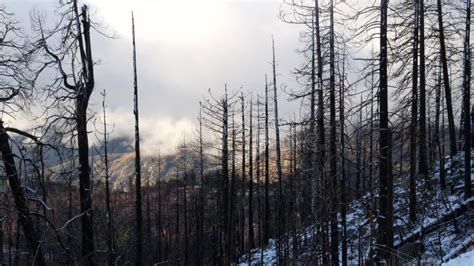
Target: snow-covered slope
(435, 238)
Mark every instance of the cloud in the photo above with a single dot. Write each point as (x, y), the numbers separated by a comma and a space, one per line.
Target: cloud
(183, 48)
(157, 134)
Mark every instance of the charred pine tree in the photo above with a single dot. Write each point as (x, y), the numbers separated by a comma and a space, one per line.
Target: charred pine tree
(258, 177)
(251, 243)
(159, 214)
(414, 117)
(177, 249)
(447, 88)
(80, 91)
(321, 138)
(384, 240)
(466, 104)
(243, 179)
(138, 178)
(266, 218)
(216, 119)
(232, 203)
(343, 168)
(332, 142)
(281, 202)
(32, 236)
(437, 133)
(201, 191)
(422, 162)
(110, 233)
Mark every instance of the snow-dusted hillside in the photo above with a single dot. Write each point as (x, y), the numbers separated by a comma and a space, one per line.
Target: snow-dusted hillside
(444, 231)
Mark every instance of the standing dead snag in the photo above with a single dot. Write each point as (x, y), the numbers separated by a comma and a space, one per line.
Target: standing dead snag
(422, 163)
(32, 236)
(138, 199)
(281, 202)
(447, 88)
(266, 218)
(77, 43)
(250, 210)
(242, 189)
(384, 240)
(414, 117)
(216, 119)
(466, 104)
(110, 245)
(332, 143)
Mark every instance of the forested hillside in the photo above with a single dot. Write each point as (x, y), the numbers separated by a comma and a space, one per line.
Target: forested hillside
(371, 164)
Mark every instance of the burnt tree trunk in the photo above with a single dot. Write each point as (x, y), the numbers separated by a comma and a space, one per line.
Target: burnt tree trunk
(466, 105)
(138, 178)
(447, 88)
(414, 118)
(32, 237)
(384, 240)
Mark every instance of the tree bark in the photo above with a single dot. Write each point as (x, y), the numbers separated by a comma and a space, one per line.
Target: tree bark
(467, 104)
(250, 215)
(422, 163)
(414, 117)
(266, 219)
(138, 178)
(384, 240)
(281, 203)
(447, 88)
(332, 142)
(31, 234)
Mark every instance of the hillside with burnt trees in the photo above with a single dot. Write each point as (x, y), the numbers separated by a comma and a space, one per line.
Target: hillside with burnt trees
(370, 165)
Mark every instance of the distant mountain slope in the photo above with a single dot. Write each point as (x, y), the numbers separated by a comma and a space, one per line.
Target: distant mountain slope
(121, 166)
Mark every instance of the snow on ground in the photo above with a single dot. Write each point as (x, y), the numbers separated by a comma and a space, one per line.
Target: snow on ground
(433, 203)
(466, 259)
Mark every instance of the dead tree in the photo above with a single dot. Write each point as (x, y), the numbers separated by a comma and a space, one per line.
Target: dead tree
(414, 116)
(138, 178)
(281, 203)
(251, 244)
(447, 88)
(16, 88)
(32, 236)
(384, 240)
(342, 170)
(243, 178)
(332, 142)
(110, 232)
(77, 43)
(201, 190)
(422, 162)
(216, 119)
(266, 218)
(466, 104)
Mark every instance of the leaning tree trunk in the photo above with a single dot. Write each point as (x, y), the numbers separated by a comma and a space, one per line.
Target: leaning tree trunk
(447, 88)
(32, 236)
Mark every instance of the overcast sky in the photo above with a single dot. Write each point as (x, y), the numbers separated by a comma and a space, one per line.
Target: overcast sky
(183, 48)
